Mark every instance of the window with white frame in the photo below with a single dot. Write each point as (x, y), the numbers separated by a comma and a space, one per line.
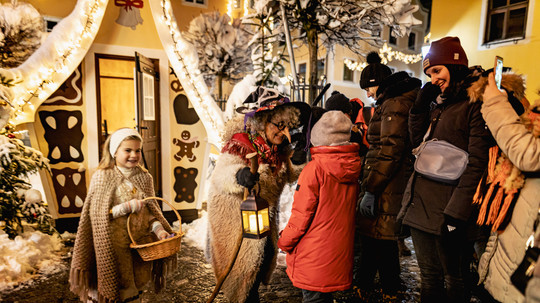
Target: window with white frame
(348, 74)
(392, 39)
(506, 20)
(320, 69)
(195, 2)
(412, 41)
(302, 69)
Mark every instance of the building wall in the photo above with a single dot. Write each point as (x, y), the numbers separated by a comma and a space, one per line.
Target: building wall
(465, 19)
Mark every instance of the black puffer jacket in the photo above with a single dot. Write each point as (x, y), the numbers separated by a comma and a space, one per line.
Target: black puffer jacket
(388, 162)
(461, 124)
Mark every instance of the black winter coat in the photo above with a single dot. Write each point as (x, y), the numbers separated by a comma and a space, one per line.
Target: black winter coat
(388, 162)
(461, 124)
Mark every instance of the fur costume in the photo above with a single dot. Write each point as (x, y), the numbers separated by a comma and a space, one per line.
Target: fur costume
(102, 259)
(256, 258)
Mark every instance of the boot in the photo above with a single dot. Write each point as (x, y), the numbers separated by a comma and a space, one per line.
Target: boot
(404, 251)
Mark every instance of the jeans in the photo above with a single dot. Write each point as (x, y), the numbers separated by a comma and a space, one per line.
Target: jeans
(382, 256)
(309, 296)
(442, 261)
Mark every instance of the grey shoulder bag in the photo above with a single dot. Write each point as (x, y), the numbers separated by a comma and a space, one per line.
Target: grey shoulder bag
(440, 160)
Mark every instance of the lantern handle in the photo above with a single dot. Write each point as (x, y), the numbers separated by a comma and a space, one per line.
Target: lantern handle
(253, 167)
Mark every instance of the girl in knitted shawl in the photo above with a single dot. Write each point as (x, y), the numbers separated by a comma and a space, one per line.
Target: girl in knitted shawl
(104, 268)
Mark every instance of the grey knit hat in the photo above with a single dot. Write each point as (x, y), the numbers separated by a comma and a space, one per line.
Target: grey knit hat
(333, 128)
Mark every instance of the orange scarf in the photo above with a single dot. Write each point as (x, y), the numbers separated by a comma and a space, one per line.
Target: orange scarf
(499, 188)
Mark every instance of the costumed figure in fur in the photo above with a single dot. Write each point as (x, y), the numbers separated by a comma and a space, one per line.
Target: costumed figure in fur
(508, 194)
(104, 268)
(265, 131)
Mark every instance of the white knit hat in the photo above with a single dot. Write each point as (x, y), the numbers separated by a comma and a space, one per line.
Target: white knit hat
(333, 128)
(118, 136)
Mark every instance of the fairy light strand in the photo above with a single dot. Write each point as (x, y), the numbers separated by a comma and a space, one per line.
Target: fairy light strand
(189, 75)
(387, 55)
(44, 80)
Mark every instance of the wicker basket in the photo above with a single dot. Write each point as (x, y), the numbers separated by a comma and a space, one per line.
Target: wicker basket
(162, 248)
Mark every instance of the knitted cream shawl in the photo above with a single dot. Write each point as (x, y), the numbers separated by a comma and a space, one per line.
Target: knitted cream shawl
(93, 265)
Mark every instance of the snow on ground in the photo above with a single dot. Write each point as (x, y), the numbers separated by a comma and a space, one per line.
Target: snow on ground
(32, 253)
(195, 232)
(28, 254)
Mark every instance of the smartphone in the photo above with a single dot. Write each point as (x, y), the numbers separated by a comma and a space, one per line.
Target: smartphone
(498, 70)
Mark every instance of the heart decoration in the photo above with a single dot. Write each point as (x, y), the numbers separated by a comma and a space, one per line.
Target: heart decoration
(47, 68)
(183, 58)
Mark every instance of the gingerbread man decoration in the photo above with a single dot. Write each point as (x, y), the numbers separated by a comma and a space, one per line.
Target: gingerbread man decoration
(186, 146)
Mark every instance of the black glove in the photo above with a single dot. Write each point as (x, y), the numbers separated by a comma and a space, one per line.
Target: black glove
(426, 95)
(245, 178)
(299, 156)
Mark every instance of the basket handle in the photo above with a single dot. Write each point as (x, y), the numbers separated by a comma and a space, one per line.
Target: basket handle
(154, 198)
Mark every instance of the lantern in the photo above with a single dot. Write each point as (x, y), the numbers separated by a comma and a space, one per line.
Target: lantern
(255, 217)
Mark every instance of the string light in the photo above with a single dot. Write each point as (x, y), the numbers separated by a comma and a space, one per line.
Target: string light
(353, 65)
(229, 7)
(184, 61)
(45, 76)
(387, 54)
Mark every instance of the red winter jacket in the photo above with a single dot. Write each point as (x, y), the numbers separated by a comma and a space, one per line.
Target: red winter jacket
(319, 236)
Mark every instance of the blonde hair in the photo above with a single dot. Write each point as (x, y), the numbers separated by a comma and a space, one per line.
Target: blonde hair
(107, 160)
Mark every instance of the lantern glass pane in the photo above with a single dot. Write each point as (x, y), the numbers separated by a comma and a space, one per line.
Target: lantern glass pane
(264, 221)
(249, 221)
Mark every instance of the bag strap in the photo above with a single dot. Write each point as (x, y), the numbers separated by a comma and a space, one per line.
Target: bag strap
(431, 128)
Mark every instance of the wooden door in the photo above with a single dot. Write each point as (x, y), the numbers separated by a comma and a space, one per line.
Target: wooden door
(147, 115)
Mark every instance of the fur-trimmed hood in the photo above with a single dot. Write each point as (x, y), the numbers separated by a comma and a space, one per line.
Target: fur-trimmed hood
(510, 81)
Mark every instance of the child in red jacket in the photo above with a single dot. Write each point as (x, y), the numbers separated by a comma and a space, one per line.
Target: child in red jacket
(319, 236)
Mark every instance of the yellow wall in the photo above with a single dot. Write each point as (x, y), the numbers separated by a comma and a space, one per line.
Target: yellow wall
(184, 13)
(462, 18)
(44, 7)
(145, 34)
